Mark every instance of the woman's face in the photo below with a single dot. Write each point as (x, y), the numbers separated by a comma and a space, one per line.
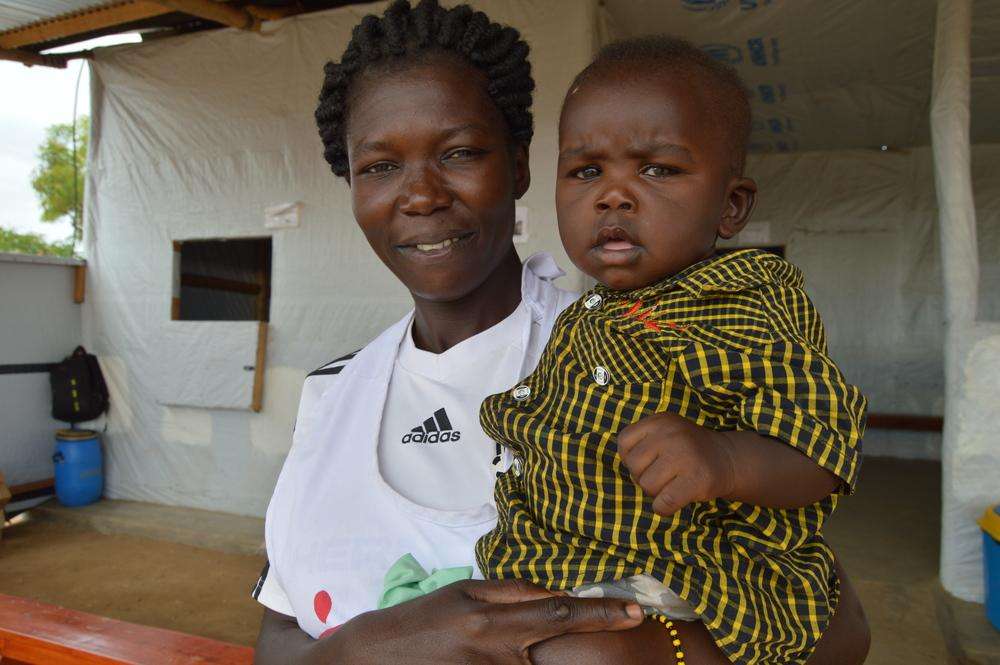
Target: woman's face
(433, 176)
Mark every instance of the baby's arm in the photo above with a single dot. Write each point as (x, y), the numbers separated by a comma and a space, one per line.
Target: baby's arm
(678, 462)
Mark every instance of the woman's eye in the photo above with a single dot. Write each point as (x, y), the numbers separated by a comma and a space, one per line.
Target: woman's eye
(587, 172)
(658, 171)
(460, 153)
(379, 168)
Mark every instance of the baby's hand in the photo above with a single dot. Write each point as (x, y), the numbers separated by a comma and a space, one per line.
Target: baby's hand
(677, 462)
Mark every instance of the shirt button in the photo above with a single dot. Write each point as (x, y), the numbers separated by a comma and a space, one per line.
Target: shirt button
(593, 301)
(521, 393)
(516, 467)
(601, 376)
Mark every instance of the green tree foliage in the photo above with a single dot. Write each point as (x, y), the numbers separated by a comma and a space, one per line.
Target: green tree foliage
(53, 178)
(33, 243)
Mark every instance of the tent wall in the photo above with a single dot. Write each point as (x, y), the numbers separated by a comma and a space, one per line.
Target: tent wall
(39, 324)
(863, 227)
(193, 137)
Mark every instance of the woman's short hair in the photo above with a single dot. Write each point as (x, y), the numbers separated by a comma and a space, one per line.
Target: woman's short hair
(407, 35)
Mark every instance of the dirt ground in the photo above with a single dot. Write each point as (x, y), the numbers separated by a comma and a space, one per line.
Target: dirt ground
(144, 581)
(886, 535)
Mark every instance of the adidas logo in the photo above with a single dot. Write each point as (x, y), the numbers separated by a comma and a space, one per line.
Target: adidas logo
(436, 429)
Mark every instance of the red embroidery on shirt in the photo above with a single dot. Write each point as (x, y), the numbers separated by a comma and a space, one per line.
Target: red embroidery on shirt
(329, 631)
(322, 604)
(643, 316)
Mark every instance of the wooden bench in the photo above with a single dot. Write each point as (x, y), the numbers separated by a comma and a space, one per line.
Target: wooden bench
(34, 633)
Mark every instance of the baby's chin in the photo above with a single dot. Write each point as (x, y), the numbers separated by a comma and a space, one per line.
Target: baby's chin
(623, 279)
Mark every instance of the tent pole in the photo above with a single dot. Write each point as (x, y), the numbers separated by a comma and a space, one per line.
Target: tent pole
(960, 271)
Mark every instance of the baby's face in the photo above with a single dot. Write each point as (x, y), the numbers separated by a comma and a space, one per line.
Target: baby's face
(644, 178)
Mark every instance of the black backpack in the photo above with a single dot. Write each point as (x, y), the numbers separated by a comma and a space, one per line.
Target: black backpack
(78, 389)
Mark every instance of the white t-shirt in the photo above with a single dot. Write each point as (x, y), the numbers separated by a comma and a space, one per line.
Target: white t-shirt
(431, 448)
(339, 517)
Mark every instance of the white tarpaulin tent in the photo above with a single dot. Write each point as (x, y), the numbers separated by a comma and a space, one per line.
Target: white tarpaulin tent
(194, 137)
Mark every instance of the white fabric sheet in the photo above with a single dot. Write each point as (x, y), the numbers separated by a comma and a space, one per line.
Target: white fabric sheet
(195, 137)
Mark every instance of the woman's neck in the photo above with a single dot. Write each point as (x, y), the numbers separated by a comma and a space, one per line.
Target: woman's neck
(438, 326)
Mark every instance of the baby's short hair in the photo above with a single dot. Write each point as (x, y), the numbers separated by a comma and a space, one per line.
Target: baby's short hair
(729, 98)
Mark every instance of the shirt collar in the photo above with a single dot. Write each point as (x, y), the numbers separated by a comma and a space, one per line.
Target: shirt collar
(536, 276)
(737, 271)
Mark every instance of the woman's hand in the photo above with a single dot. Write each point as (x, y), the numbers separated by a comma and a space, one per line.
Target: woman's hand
(466, 622)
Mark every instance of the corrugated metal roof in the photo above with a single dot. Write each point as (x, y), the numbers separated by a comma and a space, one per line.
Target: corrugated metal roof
(17, 13)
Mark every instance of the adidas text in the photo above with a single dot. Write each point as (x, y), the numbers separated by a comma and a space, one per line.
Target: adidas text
(433, 437)
(436, 429)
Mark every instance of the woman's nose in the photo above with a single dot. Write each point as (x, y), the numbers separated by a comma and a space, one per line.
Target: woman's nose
(616, 197)
(424, 194)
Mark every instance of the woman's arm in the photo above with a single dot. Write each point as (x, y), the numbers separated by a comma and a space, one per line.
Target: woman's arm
(471, 621)
(845, 642)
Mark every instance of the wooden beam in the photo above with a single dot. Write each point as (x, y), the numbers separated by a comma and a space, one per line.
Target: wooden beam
(905, 422)
(234, 17)
(26, 488)
(81, 22)
(38, 633)
(257, 402)
(219, 284)
(274, 13)
(33, 490)
(79, 283)
(31, 59)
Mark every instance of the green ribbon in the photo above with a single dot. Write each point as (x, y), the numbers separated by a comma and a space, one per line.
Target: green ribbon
(407, 579)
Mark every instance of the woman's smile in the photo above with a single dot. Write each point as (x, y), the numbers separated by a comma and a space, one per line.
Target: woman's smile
(426, 248)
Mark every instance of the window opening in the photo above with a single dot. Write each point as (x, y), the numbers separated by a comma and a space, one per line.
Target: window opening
(222, 280)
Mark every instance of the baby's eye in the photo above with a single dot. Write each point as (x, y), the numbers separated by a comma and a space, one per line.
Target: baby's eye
(587, 172)
(379, 168)
(658, 171)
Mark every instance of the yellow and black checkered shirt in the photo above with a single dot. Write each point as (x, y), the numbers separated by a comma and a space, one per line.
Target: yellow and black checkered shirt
(731, 343)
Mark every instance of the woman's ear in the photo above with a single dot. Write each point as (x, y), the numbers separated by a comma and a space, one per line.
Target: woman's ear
(741, 197)
(522, 172)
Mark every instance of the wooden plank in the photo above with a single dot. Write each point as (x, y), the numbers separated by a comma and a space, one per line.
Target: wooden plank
(38, 633)
(27, 368)
(263, 277)
(31, 59)
(79, 283)
(905, 422)
(80, 22)
(34, 488)
(257, 402)
(220, 284)
(5, 496)
(210, 10)
(175, 309)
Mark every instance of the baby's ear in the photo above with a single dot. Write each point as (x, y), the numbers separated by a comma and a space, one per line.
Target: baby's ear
(741, 197)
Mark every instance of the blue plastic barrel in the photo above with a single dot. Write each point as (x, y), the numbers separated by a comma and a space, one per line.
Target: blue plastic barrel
(79, 467)
(990, 522)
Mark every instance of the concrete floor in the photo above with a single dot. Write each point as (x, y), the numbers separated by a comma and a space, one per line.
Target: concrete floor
(886, 535)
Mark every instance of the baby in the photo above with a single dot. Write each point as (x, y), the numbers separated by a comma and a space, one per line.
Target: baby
(715, 511)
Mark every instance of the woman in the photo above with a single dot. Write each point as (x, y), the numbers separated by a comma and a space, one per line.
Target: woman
(427, 117)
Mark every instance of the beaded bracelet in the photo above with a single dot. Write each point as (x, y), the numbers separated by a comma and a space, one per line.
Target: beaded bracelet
(675, 638)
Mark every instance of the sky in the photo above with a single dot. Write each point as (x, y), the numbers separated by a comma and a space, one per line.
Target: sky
(34, 98)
